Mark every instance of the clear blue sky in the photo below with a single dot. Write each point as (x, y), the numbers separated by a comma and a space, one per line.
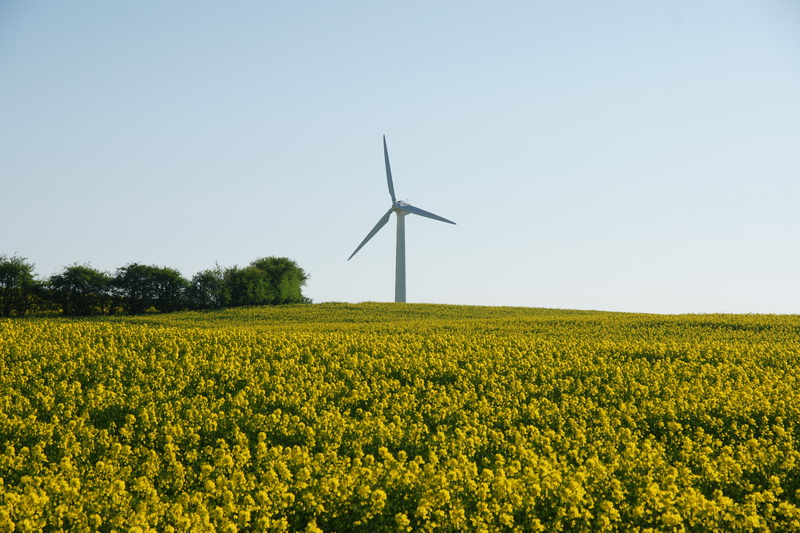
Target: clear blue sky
(627, 156)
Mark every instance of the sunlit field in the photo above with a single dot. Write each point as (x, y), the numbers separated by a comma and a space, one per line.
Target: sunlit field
(393, 417)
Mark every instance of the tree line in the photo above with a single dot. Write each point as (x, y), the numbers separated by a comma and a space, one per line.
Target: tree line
(80, 290)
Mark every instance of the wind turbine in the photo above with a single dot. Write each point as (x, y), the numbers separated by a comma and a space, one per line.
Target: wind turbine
(401, 209)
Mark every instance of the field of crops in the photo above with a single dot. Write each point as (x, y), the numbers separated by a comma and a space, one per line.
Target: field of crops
(387, 417)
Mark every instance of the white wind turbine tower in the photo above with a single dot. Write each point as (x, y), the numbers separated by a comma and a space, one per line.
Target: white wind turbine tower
(401, 209)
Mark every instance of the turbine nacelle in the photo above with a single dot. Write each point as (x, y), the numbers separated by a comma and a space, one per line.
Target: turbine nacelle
(398, 206)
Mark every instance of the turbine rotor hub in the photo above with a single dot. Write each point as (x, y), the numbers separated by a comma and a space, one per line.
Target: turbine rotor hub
(398, 206)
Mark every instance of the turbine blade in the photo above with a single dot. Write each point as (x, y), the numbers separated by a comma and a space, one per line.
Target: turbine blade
(388, 170)
(422, 213)
(381, 223)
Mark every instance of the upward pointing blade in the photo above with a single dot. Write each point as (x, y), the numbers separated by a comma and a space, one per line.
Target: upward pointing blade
(381, 223)
(422, 213)
(388, 170)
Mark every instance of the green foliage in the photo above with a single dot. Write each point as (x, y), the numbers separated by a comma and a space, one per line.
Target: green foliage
(170, 288)
(143, 287)
(17, 285)
(285, 278)
(266, 281)
(248, 286)
(82, 290)
(207, 290)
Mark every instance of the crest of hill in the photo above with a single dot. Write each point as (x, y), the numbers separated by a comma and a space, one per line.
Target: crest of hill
(395, 318)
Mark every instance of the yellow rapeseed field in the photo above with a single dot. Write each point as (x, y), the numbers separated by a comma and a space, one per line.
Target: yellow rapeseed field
(392, 417)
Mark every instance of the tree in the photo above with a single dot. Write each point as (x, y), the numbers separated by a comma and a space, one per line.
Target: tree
(170, 289)
(134, 288)
(142, 287)
(81, 290)
(17, 285)
(247, 286)
(207, 290)
(266, 281)
(286, 279)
